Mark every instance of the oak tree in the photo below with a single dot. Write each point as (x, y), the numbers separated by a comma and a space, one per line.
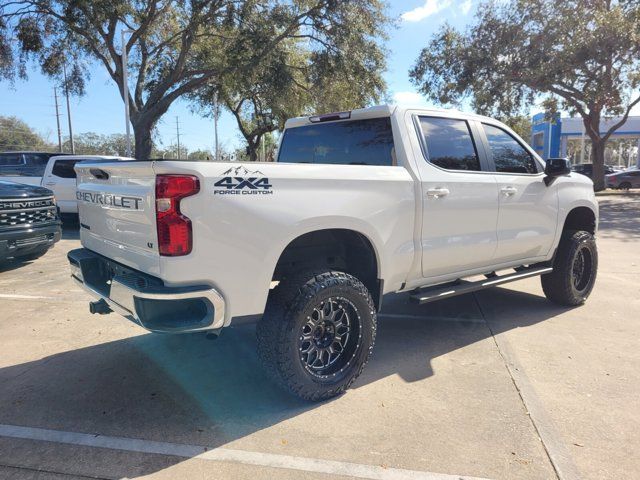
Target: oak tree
(585, 54)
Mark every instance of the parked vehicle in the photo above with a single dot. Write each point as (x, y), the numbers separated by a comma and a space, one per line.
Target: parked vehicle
(359, 204)
(624, 180)
(587, 169)
(24, 167)
(60, 176)
(29, 223)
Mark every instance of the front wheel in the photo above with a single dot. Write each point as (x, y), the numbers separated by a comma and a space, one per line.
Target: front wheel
(574, 269)
(317, 333)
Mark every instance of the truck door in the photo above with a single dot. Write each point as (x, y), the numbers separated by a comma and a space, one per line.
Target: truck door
(61, 178)
(459, 196)
(528, 207)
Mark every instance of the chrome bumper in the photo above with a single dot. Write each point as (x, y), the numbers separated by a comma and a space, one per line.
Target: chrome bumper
(144, 299)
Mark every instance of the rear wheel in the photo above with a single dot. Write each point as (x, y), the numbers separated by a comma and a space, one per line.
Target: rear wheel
(317, 333)
(625, 186)
(574, 269)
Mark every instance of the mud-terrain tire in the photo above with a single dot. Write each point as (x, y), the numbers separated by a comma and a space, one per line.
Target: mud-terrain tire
(317, 333)
(574, 270)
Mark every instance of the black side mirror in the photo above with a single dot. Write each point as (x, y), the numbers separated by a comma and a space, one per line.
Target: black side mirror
(556, 167)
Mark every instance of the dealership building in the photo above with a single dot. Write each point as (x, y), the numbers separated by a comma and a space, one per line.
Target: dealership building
(566, 137)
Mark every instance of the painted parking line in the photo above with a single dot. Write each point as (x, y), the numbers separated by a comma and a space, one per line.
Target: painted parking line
(17, 296)
(287, 462)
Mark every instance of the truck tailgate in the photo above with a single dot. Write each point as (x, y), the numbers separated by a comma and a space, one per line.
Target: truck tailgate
(116, 206)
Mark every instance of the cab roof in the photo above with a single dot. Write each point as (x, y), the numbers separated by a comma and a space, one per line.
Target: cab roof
(375, 112)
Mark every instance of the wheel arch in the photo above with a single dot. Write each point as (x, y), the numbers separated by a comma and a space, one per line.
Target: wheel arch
(581, 218)
(343, 249)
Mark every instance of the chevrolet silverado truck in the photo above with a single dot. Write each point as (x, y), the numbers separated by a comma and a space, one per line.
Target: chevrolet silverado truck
(29, 221)
(359, 204)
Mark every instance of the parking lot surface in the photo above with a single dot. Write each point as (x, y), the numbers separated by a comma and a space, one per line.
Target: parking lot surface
(500, 384)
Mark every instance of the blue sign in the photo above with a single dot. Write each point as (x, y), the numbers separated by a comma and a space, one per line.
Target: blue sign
(545, 135)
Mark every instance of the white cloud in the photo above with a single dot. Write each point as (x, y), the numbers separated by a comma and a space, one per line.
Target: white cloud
(466, 6)
(429, 8)
(409, 98)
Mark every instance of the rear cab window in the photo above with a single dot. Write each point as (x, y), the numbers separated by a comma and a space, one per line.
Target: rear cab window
(449, 144)
(351, 142)
(64, 168)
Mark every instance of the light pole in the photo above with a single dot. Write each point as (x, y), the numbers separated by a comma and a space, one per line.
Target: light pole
(125, 88)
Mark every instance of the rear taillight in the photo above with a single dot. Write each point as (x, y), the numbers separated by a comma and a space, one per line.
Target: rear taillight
(175, 237)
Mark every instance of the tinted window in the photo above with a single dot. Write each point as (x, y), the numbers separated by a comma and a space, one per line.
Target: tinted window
(508, 155)
(449, 143)
(36, 163)
(64, 168)
(11, 159)
(357, 142)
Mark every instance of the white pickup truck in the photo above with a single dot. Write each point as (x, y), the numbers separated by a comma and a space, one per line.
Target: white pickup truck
(359, 204)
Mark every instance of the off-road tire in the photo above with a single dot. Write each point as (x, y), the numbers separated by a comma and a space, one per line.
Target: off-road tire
(561, 286)
(290, 306)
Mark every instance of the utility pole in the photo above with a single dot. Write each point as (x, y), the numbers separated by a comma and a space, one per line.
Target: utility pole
(216, 115)
(178, 134)
(55, 96)
(66, 91)
(125, 88)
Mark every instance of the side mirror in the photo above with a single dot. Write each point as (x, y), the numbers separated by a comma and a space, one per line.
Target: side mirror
(556, 167)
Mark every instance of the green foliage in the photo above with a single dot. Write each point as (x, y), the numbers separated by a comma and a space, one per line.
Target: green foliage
(96, 144)
(177, 48)
(583, 54)
(297, 77)
(521, 124)
(17, 135)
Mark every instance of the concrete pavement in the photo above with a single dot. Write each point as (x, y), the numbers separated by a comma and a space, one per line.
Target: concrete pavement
(500, 385)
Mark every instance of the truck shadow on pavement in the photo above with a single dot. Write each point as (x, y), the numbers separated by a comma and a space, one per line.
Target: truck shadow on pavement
(187, 389)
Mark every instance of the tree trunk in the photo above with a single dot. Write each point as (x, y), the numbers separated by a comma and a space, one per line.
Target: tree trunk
(252, 149)
(143, 142)
(597, 159)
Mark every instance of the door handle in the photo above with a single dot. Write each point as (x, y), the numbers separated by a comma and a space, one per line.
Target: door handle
(50, 184)
(437, 192)
(509, 191)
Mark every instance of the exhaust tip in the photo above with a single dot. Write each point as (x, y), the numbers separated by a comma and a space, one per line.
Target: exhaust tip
(99, 307)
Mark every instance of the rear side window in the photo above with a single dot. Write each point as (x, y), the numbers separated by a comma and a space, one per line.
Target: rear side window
(354, 142)
(449, 143)
(64, 168)
(11, 159)
(508, 155)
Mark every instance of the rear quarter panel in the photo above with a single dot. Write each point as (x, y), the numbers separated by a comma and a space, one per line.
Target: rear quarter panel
(238, 239)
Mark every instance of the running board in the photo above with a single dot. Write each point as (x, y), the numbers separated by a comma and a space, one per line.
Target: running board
(439, 293)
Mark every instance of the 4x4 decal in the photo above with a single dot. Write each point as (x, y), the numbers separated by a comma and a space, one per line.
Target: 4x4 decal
(240, 181)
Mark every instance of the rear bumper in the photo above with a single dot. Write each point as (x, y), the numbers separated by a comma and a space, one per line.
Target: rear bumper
(24, 241)
(144, 299)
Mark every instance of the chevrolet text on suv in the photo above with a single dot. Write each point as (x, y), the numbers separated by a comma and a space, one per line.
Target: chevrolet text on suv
(361, 203)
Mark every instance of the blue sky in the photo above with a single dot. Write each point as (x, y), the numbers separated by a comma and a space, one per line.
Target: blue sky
(101, 110)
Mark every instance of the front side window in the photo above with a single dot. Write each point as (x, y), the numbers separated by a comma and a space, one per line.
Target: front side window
(508, 155)
(64, 168)
(449, 143)
(354, 142)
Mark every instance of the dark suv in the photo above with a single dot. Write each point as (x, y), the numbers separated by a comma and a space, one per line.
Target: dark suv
(29, 221)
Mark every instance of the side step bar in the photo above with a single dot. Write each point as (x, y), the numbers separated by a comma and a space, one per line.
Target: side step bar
(440, 292)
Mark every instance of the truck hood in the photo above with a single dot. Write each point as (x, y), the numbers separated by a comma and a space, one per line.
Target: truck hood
(21, 190)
